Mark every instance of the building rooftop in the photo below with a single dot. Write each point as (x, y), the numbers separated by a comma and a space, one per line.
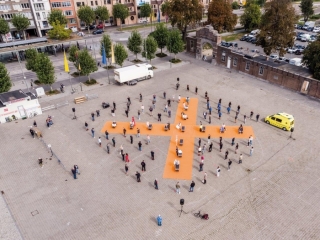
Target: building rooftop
(13, 96)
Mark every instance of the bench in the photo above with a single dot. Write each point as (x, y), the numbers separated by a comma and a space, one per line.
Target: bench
(179, 153)
(183, 128)
(79, 100)
(150, 127)
(181, 142)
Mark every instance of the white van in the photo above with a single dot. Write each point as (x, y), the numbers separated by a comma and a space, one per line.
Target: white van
(296, 61)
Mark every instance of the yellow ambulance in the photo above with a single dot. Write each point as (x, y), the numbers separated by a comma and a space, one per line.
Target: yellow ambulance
(284, 121)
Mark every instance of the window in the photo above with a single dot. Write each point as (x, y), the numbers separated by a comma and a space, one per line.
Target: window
(82, 3)
(235, 62)
(91, 3)
(25, 5)
(56, 4)
(273, 118)
(105, 2)
(278, 120)
(5, 7)
(261, 69)
(27, 14)
(78, 4)
(223, 57)
(109, 1)
(38, 6)
(6, 16)
(72, 20)
(45, 24)
(68, 13)
(247, 66)
(96, 2)
(38, 16)
(66, 4)
(44, 15)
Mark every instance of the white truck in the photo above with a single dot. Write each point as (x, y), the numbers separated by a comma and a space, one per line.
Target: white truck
(134, 73)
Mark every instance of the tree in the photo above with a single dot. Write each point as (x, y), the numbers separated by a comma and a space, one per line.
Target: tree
(251, 17)
(106, 42)
(5, 82)
(87, 15)
(183, 13)
(21, 23)
(161, 35)
(86, 62)
(165, 9)
(277, 27)
(306, 7)
(150, 47)
(120, 11)
(145, 10)
(120, 54)
(102, 14)
(311, 58)
(4, 27)
(31, 56)
(57, 15)
(44, 69)
(73, 54)
(175, 42)
(220, 16)
(58, 31)
(134, 43)
(235, 5)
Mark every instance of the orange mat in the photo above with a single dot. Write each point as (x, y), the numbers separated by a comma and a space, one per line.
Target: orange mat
(192, 132)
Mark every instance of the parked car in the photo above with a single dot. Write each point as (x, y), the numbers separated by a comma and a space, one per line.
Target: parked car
(233, 44)
(310, 29)
(291, 50)
(298, 52)
(274, 56)
(299, 27)
(316, 29)
(80, 34)
(282, 59)
(255, 51)
(249, 39)
(244, 37)
(91, 27)
(99, 26)
(99, 31)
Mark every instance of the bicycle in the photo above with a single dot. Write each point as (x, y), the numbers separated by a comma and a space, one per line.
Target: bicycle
(202, 216)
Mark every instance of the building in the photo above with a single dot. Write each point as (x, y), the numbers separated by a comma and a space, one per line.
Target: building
(8, 9)
(68, 9)
(41, 10)
(18, 105)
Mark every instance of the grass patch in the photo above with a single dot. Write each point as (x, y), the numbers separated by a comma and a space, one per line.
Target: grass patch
(232, 37)
(161, 55)
(136, 61)
(76, 74)
(175, 60)
(109, 67)
(90, 82)
(53, 92)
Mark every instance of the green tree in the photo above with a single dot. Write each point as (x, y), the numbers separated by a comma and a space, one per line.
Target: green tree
(21, 23)
(44, 69)
(184, 13)
(277, 27)
(161, 35)
(175, 42)
(57, 15)
(235, 5)
(73, 54)
(102, 14)
(4, 27)
(165, 7)
(251, 17)
(120, 54)
(134, 43)
(87, 15)
(220, 16)
(106, 42)
(145, 10)
(5, 82)
(86, 62)
(31, 56)
(306, 7)
(58, 31)
(120, 11)
(311, 58)
(150, 47)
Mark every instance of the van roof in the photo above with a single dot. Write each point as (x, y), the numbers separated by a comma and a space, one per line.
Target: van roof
(286, 115)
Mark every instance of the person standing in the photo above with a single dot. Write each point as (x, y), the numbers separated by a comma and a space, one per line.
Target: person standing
(237, 147)
(166, 108)
(143, 166)
(235, 118)
(209, 139)
(92, 116)
(113, 112)
(139, 114)
(138, 175)
(140, 145)
(86, 126)
(221, 145)
(210, 147)
(142, 108)
(226, 155)
(220, 114)
(204, 178)
(114, 105)
(209, 119)
(251, 115)
(124, 132)
(127, 113)
(99, 141)
(250, 140)
(192, 186)
(251, 151)
(199, 142)
(155, 183)
(257, 117)
(164, 95)
(34, 123)
(123, 156)
(232, 141)
(127, 158)
(74, 173)
(152, 155)
(107, 134)
(178, 188)
(238, 108)
(245, 118)
(218, 171)
(92, 132)
(138, 132)
(229, 164)
(148, 139)
(114, 142)
(131, 139)
(228, 110)
(205, 115)
(201, 166)
(32, 132)
(196, 90)
(126, 169)
(98, 113)
(159, 117)
(159, 220)
(108, 149)
(188, 87)
(240, 159)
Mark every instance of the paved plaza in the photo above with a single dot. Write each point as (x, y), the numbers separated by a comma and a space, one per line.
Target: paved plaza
(273, 194)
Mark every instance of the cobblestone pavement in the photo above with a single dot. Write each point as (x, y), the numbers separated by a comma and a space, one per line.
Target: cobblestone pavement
(274, 194)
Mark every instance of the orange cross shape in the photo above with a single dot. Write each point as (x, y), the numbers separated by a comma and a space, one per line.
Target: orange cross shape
(191, 132)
